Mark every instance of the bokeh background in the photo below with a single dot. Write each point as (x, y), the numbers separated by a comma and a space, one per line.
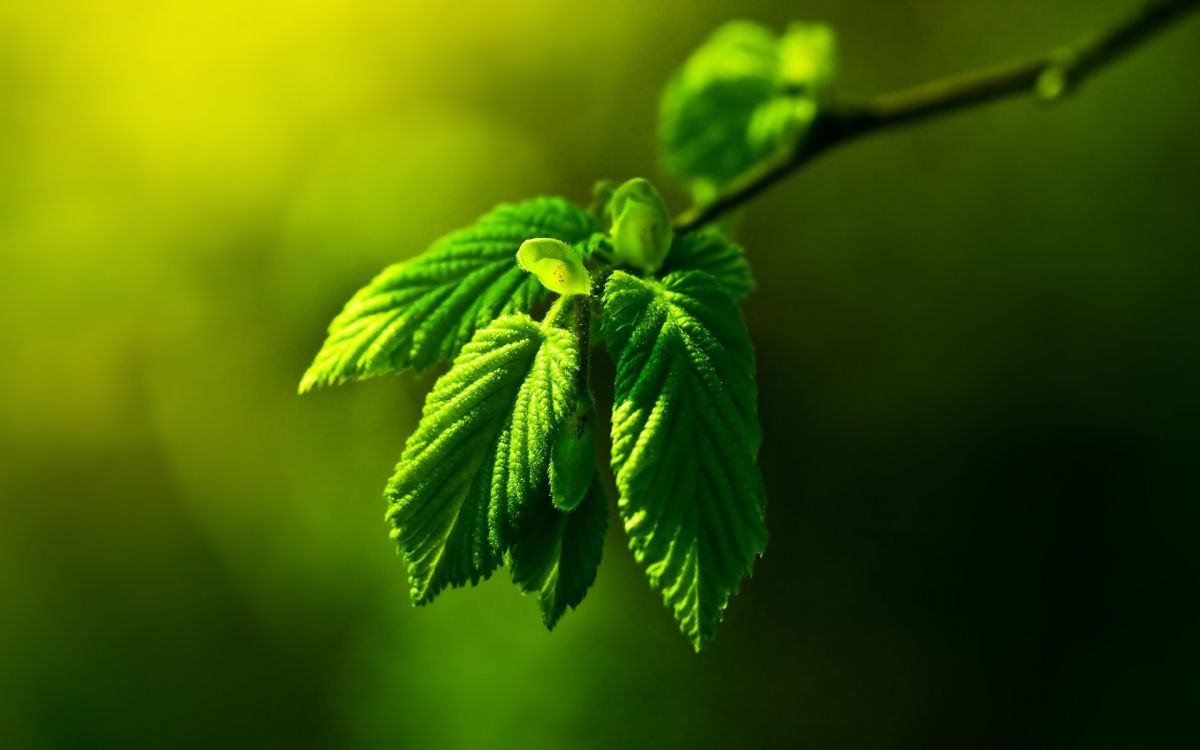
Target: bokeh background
(979, 386)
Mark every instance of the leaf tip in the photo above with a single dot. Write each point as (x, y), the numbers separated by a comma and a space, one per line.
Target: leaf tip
(550, 620)
(308, 383)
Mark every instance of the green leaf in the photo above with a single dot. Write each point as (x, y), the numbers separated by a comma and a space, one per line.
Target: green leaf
(480, 456)
(685, 437)
(808, 58)
(424, 310)
(739, 97)
(714, 253)
(558, 555)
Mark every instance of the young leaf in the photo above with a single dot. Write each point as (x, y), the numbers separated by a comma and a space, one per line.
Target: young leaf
(808, 57)
(741, 95)
(424, 310)
(685, 437)
(558, 554)
(556, 264)
(480, 455)
(714, 253)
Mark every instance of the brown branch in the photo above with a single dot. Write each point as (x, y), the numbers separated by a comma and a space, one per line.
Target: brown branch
(1049, 75)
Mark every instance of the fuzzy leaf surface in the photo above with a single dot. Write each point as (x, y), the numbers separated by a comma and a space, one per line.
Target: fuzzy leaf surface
(714, 253)
(685, 438)
(423, 311)
(480, 456)
(558, 555)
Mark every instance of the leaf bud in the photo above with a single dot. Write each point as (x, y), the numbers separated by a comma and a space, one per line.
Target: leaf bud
(641, 226)
(556, 264)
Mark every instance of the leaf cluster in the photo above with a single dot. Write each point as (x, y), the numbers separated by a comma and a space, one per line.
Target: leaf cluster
(744, 93)
(505, 467)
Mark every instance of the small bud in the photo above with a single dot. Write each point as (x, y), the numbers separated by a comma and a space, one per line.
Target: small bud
(1051, 84)
(573, 460)
(556, 264)
(641, 227)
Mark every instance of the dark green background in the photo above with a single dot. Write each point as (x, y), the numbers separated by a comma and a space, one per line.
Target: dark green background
(979, 387)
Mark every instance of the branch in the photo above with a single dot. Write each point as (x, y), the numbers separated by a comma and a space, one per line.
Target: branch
(1049, 76)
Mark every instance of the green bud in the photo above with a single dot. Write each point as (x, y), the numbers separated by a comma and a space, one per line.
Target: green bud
(641, 227)
(573, 460)
(1052, 84)
(556, 264)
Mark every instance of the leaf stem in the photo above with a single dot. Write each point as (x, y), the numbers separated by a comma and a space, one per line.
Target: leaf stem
(1048, 75)
(583, 334)
(578, 308)
(554, 316)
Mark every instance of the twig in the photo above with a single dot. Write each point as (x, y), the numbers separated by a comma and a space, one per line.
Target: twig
(1049, 75)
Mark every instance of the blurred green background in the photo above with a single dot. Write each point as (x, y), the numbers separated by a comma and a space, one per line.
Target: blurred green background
(979, 386)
